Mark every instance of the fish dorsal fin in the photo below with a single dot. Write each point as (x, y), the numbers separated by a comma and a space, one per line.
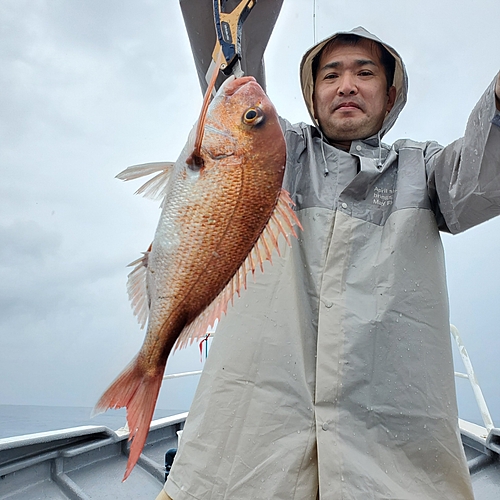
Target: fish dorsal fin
(282, 222)
(137, 288)
(155, 188)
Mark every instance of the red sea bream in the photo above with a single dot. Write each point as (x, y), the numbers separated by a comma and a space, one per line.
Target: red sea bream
(222, 212)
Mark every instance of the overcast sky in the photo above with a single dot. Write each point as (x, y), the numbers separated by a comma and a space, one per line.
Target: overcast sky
(91, 87)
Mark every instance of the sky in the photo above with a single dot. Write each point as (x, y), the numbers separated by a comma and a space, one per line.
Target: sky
(89, 88)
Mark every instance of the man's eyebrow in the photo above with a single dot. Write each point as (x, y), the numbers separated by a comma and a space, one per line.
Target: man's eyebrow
(358, 62)
(331, 65)
(365, 62)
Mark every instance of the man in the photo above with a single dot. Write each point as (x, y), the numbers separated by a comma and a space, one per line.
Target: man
(332, 376)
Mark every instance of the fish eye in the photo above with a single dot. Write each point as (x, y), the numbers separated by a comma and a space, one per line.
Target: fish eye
(252, 116)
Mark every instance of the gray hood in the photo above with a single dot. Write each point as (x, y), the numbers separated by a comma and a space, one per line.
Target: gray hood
(400, 77)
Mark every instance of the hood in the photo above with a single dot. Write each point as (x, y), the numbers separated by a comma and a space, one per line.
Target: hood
(400, 77)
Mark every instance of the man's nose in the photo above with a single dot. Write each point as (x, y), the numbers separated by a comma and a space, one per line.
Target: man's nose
(347, 85)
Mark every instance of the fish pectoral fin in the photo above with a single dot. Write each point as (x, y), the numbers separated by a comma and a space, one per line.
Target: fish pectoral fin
(155, 188)
(282, 222)
(137, 288)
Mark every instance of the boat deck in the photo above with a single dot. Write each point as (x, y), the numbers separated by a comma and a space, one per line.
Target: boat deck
(87, 463)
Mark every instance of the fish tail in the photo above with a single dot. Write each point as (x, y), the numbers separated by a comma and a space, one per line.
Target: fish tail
(138, 392)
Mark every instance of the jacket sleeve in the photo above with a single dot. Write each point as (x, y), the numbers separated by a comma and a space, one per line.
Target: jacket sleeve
(464, 177)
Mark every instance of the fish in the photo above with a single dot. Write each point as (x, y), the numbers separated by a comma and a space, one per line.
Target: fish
(222, 214)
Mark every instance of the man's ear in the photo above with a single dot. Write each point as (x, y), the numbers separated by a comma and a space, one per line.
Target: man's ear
(391, 99)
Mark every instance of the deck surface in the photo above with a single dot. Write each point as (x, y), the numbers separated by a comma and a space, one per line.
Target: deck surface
(87, 463)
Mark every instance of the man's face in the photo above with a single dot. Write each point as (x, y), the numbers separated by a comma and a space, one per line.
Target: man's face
(350, 93)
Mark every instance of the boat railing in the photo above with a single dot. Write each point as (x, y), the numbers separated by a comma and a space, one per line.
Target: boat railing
(181, 374)
(471, 376)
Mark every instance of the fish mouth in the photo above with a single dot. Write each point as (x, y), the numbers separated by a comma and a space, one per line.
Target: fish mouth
(231, 86)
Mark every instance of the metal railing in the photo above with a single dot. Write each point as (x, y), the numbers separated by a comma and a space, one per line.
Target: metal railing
(182, 374)
(471, 376)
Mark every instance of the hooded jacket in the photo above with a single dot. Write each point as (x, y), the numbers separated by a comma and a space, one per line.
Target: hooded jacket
(332, 375)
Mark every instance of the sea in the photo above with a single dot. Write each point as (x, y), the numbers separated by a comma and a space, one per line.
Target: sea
(17, 420)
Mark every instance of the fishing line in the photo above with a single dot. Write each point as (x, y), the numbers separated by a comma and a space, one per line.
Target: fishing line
(314, 22)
